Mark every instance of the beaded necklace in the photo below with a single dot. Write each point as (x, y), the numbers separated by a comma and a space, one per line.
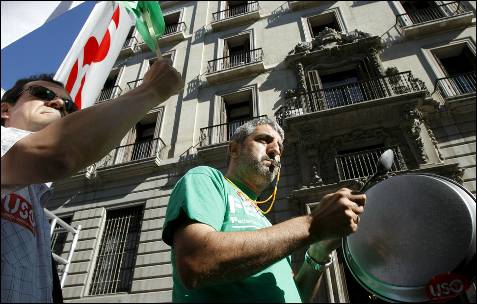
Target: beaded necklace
(273, 195)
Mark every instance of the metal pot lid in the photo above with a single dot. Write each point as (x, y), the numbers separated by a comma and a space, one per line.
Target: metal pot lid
(414, 227)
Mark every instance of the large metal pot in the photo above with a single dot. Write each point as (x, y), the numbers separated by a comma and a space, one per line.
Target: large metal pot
(415, 227)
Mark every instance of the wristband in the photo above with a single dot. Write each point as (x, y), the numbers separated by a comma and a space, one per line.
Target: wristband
(316, 265)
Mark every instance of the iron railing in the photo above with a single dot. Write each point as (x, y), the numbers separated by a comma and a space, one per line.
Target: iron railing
(138, 150)
(251, 6)
(130, 42)
(235, 60)
(367, 90)
(175, 28)
(363, 163)
(134, 84)
(455, 85)
(109, 93)
(221, 133)
(430, 14)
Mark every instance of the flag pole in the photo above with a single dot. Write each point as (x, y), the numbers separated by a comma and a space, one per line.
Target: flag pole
(158, 51)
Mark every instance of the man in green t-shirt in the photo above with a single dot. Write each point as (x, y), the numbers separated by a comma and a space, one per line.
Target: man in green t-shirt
(225, 250)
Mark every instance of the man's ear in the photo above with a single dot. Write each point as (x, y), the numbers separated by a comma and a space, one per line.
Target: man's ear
(6, 110)
(234, 149)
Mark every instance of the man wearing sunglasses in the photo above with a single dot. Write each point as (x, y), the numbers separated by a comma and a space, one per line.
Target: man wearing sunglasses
(44, 139)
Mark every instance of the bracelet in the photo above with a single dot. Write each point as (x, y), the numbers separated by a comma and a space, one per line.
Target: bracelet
(316, 265)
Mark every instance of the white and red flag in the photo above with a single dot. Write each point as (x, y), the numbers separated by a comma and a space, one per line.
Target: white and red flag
(94, 52)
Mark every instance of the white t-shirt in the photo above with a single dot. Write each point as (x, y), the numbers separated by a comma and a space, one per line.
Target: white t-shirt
(26, 253)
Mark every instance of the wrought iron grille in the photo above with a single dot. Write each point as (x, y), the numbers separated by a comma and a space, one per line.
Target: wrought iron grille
(456, 85)
(235, 60)
(363, 163)
(109, 93)
(429, 14)
(135, 151)
(175, 28)
(130, 42)
(251, 6)
(221, 133)
(372, 89)
(117, 252)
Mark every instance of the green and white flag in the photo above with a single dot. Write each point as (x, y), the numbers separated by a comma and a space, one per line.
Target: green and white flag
(149, 20)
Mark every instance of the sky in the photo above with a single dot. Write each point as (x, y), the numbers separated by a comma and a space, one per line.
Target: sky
(43, 50)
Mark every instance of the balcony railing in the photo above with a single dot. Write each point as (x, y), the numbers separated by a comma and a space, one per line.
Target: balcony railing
(109, 93)
(456, 85)
(175, 28)
(251, 6)
(130, 42)
(430, 14)
(339, 96)
(135, 151)
(235, 60)
(363, 163)
(221, 133)
(134, 84)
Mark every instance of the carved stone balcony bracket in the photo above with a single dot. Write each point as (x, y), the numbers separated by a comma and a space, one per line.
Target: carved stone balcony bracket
(414, 121)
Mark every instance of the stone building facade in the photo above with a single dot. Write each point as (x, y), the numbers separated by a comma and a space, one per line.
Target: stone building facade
(346, 80)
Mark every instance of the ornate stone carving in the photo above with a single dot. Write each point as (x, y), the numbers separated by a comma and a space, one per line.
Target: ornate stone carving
(434, 140)
(316, 179)
(328, 38)
(458, 175)
(414, 119)
(300, 74)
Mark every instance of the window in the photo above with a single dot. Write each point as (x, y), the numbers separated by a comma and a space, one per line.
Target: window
(236, 7)
(316, 24)
(458, 64)
(237, 109)
(130, 39)
(143, 145)
(172, 23)
(110, 89)
(236, 51)
(361, 162)
(422, 11)
(117, 252)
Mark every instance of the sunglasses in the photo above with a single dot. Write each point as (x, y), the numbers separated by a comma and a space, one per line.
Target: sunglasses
(48, 95)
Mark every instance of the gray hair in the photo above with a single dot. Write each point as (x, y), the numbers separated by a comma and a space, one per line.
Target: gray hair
(246, 129)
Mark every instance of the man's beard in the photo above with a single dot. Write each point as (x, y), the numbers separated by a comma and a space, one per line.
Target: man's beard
(263, 172)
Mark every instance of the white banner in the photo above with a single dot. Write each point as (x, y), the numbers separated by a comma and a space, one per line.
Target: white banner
(94, 52)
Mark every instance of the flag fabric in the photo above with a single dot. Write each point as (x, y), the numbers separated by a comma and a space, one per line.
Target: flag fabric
(94, 52)
(27, 16)
(149, 21)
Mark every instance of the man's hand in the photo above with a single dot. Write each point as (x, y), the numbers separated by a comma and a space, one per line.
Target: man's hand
(336, 216)
(163, 80)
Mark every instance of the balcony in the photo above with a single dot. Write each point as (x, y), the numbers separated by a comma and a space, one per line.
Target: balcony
(235, 66)
(222, 133)
(173, 33)
(442, 17)
(383, 89)
(455, 86)
(129, 47)
(363, 164)
(235, 16)
(109, 93)
(133, 152)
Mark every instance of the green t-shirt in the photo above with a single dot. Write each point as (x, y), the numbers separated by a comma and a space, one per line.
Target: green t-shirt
(207, 197)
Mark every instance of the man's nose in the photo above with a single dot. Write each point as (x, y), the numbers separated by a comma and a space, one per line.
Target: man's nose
(274, 150)
(56, 103)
